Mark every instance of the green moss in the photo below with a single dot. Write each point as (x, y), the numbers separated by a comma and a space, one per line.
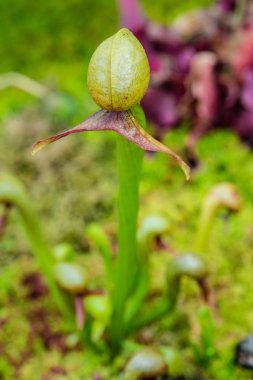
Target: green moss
(73, 183)
(228, 252)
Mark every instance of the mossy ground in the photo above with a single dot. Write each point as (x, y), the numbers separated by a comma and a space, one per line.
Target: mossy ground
(73, 183)
(163, 192)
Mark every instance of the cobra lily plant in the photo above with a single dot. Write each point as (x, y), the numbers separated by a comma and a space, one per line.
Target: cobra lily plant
(118, 77)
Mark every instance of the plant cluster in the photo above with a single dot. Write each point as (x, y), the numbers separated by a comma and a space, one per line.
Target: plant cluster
(118, 78)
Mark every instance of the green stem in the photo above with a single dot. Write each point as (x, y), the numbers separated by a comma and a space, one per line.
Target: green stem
(183, 265)
(136, 300)
(12, 192)
(151, 227)
(205, 225)
(129, 158)
(163, 307)
(96, 233)
(158, 311)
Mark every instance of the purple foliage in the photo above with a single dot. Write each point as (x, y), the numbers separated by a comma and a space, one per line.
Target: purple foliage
(201, 68)
(160, 107)
(226, 5)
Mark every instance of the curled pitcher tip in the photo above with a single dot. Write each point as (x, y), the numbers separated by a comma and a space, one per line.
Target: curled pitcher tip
(186, 169)
(125, 124)
(38, 146)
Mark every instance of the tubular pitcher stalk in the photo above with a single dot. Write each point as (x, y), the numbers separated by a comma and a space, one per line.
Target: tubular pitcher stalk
(13, 193)
(118, 77)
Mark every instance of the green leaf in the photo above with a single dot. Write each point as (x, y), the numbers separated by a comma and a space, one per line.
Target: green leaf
(170, 9)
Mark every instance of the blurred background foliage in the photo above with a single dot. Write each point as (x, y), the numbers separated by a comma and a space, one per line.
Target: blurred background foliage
(73, 182)
(52, 41)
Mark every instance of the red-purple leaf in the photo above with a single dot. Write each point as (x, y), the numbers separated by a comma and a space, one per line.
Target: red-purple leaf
(121, 122)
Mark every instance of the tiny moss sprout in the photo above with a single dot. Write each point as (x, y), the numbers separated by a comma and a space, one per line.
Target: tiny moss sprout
(146, 364)
(98, 307)
(71, 277)
(188, 265)
(223, 195)
(64, 252)
(152, 227)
